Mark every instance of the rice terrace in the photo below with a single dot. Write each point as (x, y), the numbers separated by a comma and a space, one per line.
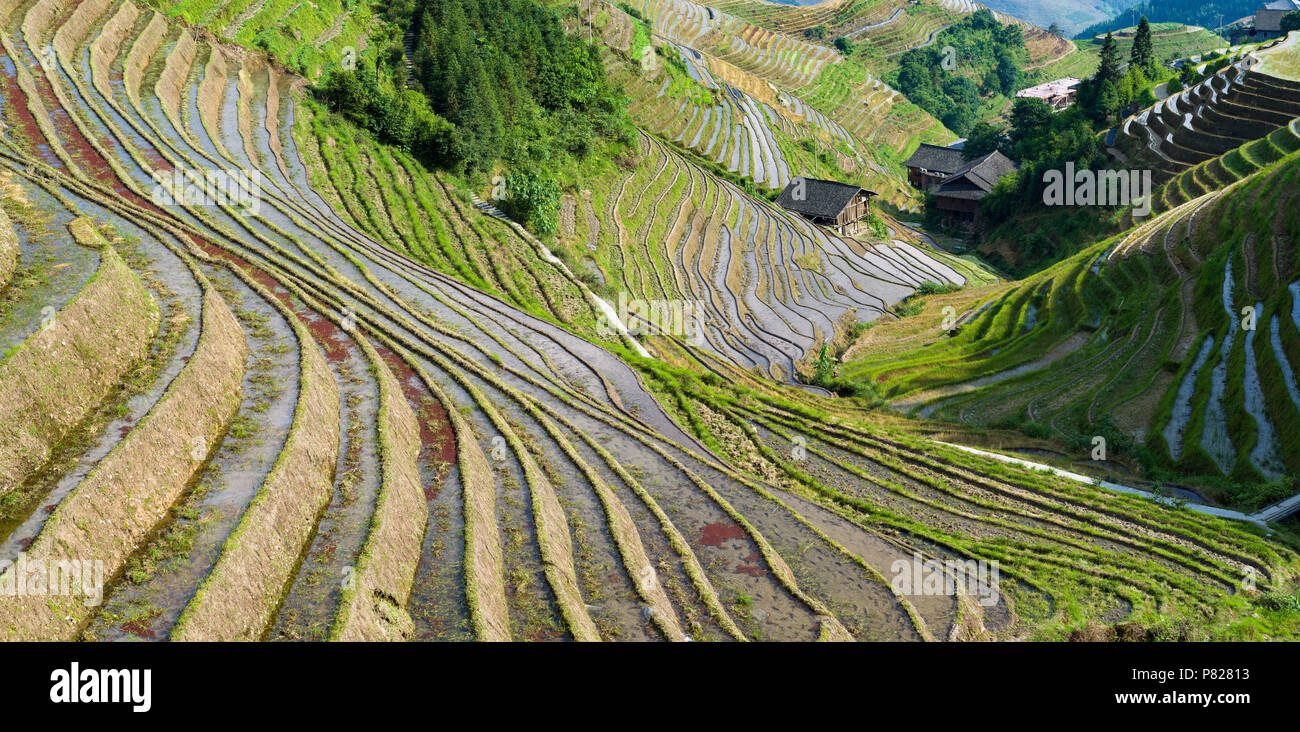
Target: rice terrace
(646, 320)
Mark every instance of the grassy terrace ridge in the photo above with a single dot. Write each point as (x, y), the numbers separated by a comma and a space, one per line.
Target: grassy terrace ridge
(159, 456)
(279, 520)
(1237, 107)
(1283, 60)
(308, 36)
(534, 478)
(374, 607)
(906, 494)
(844, 91)
(59, 374)
(9, 250)
(881, 28)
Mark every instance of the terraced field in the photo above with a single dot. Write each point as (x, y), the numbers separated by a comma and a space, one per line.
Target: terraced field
(780, 87)
(771, 287)
(763, 72)
(307, 35)
(1174, 334)
(885, 28)
(853, 18)
(350, 403)
(1224, 112)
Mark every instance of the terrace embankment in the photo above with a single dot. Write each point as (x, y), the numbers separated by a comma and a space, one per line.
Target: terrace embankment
(128, 493)
(64, 370)
(374, 606)
(775, 515)
(239, 598)
(8, 250)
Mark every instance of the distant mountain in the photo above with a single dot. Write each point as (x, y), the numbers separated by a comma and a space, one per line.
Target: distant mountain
(1071, 15)
(1207, 13)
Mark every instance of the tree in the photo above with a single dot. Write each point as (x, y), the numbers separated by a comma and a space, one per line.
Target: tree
(983, 139)
(843, 46)
(824, 365)
(1107, 100)
(1291, 21)
(344, 94)
(989, 54)
(533, 200)
(1108, 65)
(1131, 85)
(959, 119)
(1143, 54)
(1010, 77)
(1055, 29)
(1031, 120)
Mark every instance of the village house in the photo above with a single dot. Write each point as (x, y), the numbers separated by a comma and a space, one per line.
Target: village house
(930, 165)
(1268, 19)
(1058, 94)
(958, 197)
(840, 206)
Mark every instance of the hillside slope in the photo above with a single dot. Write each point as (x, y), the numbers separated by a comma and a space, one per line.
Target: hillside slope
(1176, 338)
(374, 409)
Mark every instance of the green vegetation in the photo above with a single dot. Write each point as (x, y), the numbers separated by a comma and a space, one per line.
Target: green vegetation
(988, 62)
(1042, 140)
(1102, 343)
(518, 88)
(1169, 41)
(399, 117)
(309, 37)
(502, 84)
(1290, 21)
(534, 200)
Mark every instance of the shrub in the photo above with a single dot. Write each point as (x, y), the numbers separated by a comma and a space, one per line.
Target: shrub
(935, 288)
(877, 226)
(632, 11)
(533, 200)
(1280, 602)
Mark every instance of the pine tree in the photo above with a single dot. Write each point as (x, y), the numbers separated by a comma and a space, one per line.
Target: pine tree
(1143, 54)
(1108, 66)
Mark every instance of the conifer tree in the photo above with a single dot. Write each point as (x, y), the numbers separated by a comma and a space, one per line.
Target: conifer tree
(1108, 66)
(1143, 54)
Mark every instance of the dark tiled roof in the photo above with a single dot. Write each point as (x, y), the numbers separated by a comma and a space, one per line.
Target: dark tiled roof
(1282, 5)
(969, 193)
(981, 173)
(938, 159)
(823, 199)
